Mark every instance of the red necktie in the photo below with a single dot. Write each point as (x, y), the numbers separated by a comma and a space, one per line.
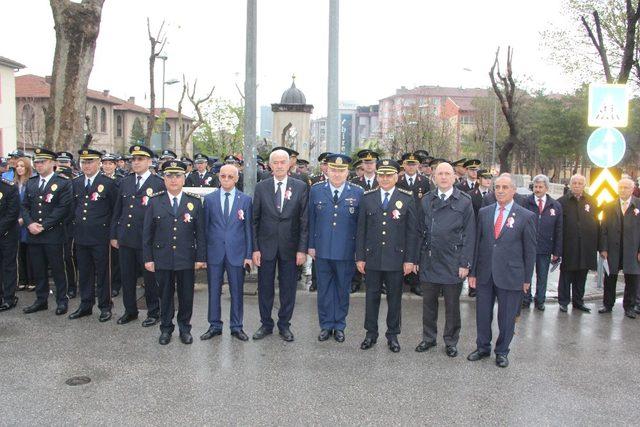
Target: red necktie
(498, 225)
(540, 205)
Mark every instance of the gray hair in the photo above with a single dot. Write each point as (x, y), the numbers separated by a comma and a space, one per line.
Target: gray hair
(278, 153)
(541, 178)
(577, 176)
(512, 180)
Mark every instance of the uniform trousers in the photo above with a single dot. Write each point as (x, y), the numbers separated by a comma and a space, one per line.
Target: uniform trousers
(130, 262)
(92, 274)
(334, 288)
(43, 256)
(8, 265)
(169, 282)
(393, 281)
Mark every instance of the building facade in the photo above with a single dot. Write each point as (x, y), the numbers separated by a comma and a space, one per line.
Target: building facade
(8, 131)
(292, 121)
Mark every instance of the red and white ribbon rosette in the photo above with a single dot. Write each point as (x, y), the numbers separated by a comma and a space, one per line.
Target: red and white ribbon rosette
(241, 215)
(187, 217)
(395, 214)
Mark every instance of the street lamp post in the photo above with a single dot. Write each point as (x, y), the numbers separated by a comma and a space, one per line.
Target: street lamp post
(165, 135)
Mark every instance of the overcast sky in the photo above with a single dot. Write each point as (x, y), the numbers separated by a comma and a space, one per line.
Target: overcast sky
(384, 44)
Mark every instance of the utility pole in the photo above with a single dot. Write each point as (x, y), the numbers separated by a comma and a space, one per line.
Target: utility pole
(333, 129)
(250, 86)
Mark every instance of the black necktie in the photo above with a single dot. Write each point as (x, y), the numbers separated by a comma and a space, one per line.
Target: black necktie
(335, 196)
(443, 196)
(226, 206)
(175, 206)
(138, 182)
(410, 182)
(368, 185)
(385, 202)
(484, 193)
(88, 186)
(279, 197)
(42, 181)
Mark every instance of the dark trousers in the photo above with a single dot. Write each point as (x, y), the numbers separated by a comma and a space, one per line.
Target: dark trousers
(42, 257)
(412, 280)
(8, 266)
(509, 302)
(571, 287)
(167, 280)
(215, 277)
(542, 273)
(116, 283)
(25, 271)
(334, 288)
(287, 272)
(630, 289)
(452, 324)
(393, 281)
(130, 262)
(70, 265)
(92, 273)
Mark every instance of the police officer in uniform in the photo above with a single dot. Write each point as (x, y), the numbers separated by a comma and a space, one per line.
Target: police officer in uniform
(64, 167)
(322, 176)
(110, 170)
(201, 177)
(126, 234)
(10, 208)
(45, 206)
(173, 247)
(470, 182)
(94, 196)
(482, 190)
(333, 218)
(460, 170)
(386, 249)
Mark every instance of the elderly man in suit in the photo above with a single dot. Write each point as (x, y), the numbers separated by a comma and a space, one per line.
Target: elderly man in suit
(620, 246)
(229, 234)
(502, 268)
(280, 234)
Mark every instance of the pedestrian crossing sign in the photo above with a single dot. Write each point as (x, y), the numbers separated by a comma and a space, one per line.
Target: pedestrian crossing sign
(608, 105)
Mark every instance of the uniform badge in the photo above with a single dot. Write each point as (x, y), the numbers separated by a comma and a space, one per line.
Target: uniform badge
(190, 206)
(149, 192)
(399, 204)
(1, 195)
(54, 187)
(100, 188)
(352, 210)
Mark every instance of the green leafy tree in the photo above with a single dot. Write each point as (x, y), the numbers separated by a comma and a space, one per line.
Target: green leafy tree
(222, 131)
(138, 133)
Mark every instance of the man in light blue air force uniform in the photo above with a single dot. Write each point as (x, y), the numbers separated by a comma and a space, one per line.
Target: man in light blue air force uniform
(333, 219)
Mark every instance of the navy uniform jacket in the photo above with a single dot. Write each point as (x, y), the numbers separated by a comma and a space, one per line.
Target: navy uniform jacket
(387, 238)
(174, 242)
(49, 207)
(620, 236)
(130, 208)
(419, 188)
(209, 180)
(333, 227)
(477, 198)
(509, 258)
(448, 237)
(464, 186)
(92, 210)
(285, 232)
(10, 208)
(362, 182)
(318, 178)
(549, 225)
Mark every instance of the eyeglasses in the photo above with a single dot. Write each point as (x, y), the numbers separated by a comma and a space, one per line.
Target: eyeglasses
(226, 176)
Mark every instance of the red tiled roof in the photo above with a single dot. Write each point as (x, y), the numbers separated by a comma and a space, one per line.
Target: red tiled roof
(30, 86)
(171, 114)
(128, 106)
(440, 91)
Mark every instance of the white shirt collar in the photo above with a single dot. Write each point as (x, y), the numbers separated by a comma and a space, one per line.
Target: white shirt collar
(390, 191)
(90, 178)
(179, 196)
(544, 199)
(46, 179)
(447, 193)
(340, 189)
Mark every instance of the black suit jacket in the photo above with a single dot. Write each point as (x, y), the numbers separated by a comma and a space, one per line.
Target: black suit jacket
(10, 208)
(92, 210)
(283, 232)
(49, 207)
(209, 180)
(620, 236)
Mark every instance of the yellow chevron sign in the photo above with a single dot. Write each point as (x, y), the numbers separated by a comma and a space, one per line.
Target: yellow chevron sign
(604, 185)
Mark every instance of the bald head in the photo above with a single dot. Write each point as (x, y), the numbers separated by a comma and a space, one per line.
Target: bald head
(444, 177)
(228, 177)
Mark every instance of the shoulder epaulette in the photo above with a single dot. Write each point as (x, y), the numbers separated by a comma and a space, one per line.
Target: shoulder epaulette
(158, 193)
(194, 195)
(7, 181)
(373, 190)
(402, 190)
(319, 182)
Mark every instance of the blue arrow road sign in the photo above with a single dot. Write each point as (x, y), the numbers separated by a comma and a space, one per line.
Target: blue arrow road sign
(606, 147)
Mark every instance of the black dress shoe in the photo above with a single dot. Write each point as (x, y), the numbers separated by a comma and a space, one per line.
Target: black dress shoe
(540, 306)
(261, 333)
(416, 290)
(114, 293)
(8, 304)
(603, 310)
(424, 346)
(472, 292)
(71, 293)
(165, 338)
(286, 334)
(150, 321)
(393, 344)
(105, 316)
(581, 307)
(36, 306)
(563, 308)
(126, 318)
(630, 314)
(211, 332)
(502, 360)
(637, 309)
(240, 335)
(383, 290)
(367, 343)
(324, 335)
(313, 287)
(62, 309)
(451, 350)
(338, 335)
(477, 355)
(186, 338)
(526, 304)
(80, 312)
(355, 288)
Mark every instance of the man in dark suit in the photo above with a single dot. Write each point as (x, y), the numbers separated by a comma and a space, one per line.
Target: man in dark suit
(201, 177)
(333, 218)
(502, 268)
(620, 247)
(46, 204)
(579, 244)
(228, 215)
(280, 235)
(386, 249)
(94, 196)
(9, 233)
(549, 239)
(126, 234)
(173, 245)
(448, 232)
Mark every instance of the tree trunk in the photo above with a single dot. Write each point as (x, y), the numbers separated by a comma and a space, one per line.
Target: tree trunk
(77, 26)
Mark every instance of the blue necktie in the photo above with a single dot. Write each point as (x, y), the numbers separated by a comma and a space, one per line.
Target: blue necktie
(87, 187)
(226, 206)
(385, 202)
(175, 206)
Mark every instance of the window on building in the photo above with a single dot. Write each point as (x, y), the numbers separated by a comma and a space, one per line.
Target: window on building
(119, 126)
(466, 120)
(94, 119)
(103, 120)
(28, 118)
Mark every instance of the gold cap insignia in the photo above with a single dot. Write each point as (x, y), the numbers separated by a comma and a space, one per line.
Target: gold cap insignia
(38, 151)
(85, 152)
(385, 163)
(174, 164)
(136, 148)
(339, 161)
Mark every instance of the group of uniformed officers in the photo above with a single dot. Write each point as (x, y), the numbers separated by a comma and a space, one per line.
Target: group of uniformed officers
(420, 221)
